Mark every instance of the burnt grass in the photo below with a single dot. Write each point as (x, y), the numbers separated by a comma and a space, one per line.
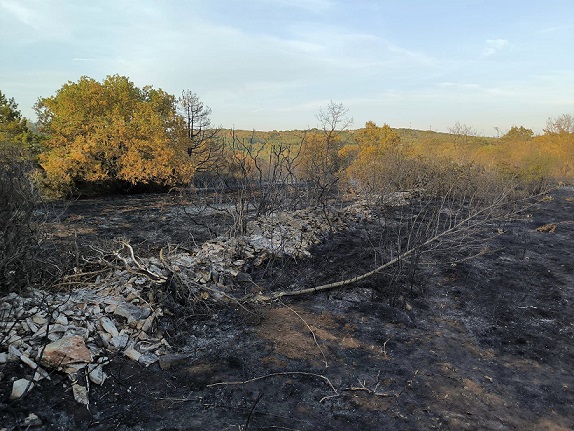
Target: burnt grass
(486, 344)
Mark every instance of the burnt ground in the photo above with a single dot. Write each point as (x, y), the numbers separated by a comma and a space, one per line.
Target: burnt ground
(487, 344)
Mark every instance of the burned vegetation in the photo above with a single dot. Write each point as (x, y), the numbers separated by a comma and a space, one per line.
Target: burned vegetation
(309, 286)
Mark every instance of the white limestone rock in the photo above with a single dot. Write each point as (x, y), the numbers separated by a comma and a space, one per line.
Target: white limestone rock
(20, 388)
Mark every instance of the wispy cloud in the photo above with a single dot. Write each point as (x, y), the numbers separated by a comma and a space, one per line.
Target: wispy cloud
(556, 28)
(22, 13)
(459, 86)
(493, 46)
(35, 20)
(273, 63)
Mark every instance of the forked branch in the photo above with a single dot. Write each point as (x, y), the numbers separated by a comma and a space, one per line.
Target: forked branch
(474, 219)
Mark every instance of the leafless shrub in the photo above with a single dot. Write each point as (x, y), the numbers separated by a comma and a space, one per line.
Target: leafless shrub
(450, 219)
(19, 196)
(256, 180)
(27, 255)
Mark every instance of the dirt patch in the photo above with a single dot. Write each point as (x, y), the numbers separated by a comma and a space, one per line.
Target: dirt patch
(296, 334)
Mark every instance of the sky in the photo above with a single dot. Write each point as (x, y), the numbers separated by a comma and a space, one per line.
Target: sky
(272, 64)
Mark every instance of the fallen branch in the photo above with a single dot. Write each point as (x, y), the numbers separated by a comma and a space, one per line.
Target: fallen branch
(468, 223)
(141, 269)
(284, 373)
(374, 391)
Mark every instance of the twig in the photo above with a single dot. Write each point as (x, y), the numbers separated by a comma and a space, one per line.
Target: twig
(385, 347)
(363, 387)
(84, 274)
(312, 333)
(158, 278)
(283, 373)
(251, 411)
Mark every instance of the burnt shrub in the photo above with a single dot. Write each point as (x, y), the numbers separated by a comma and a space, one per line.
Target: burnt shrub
(19, 196)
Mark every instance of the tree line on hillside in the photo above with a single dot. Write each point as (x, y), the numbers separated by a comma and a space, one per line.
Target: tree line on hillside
(111, 135)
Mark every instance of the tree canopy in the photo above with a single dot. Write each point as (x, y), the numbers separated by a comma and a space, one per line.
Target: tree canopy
(375, 146)
(13, 127)
(518, 134)
(113, 133)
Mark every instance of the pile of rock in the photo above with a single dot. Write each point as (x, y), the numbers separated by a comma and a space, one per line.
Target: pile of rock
(78, 331)
(221, 261)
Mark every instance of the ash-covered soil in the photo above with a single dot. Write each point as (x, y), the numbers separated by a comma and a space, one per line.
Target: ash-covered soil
(486, 344)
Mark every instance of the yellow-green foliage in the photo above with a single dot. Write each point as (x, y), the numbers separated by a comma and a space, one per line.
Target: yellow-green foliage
(377, 155)
(111, 131)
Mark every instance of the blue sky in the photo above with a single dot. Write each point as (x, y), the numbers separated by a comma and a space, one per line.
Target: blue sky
(271, 64)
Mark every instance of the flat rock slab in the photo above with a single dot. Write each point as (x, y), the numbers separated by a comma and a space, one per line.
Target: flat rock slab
(66, 351)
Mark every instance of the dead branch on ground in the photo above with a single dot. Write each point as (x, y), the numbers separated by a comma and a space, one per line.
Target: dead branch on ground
(283, 373)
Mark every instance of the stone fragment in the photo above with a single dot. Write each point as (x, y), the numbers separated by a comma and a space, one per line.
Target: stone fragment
(32, 325)
(38, 320)
(148, 358)
(131, 312)
(96, 374)
(67, 351)
(20, 388)
(76, 330)
(133, 354)
(40, 372)
(111, 308)
(151, 344)
(132, 297)
(121, 340)
(3, 358)
(15, 339)
(61, 319)
(147, 324)
(14, 351)
(80, 394)
(53, 329)
(109, 326)
(106, 339)
(31, 421)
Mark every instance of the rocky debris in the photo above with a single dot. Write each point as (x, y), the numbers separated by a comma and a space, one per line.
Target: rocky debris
(80, 394)
(77, 330)
(96, 374)
(223, 262)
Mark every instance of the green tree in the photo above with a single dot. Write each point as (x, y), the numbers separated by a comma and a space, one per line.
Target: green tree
(112, 133)
(14, 130)
(378, 155)
(516, 134)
